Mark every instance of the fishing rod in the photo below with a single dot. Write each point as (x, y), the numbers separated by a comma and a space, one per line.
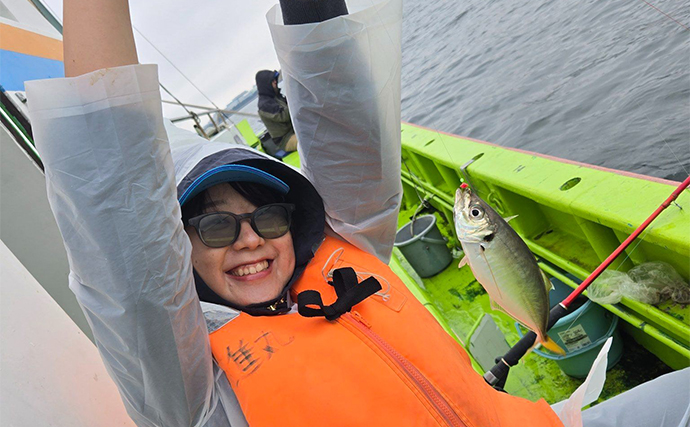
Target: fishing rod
(496, 376)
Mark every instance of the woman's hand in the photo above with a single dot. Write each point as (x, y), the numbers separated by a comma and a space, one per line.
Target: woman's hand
(97, 34)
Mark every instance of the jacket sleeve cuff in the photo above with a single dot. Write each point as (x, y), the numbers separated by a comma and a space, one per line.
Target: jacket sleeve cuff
(98, 90)
(342, 80)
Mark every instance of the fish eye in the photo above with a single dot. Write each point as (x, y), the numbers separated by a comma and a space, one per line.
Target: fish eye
(475, 212)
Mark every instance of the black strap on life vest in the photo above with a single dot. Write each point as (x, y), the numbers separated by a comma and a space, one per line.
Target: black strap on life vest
(349, 292)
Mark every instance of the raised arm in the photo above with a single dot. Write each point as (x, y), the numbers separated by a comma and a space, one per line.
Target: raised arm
(111, 188)
(342, 80)
(97, 34)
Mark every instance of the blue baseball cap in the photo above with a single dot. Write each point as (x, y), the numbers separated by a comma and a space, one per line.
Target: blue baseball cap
(230, 173)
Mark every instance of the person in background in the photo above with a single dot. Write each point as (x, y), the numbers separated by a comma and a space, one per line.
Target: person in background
(274, 112)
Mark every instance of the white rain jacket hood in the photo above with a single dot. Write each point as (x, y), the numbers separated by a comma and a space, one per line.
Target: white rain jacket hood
(194, 157)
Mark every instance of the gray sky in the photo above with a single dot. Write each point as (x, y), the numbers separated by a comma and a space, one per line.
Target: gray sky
(218, 44)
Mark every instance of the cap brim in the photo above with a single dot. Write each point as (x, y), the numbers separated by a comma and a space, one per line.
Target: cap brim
(232, 173)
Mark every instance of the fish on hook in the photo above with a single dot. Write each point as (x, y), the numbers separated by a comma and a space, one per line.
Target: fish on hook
(503, 264)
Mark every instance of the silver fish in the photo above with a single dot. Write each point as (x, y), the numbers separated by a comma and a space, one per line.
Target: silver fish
(503, 264)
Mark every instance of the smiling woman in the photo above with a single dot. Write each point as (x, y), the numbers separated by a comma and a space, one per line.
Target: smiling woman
(252, 310)
(248, 265)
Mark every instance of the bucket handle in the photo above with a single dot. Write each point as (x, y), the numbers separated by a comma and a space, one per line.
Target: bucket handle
(601, 340)
(433, 241)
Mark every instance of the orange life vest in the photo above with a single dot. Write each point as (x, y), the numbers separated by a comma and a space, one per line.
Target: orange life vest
(386, 363)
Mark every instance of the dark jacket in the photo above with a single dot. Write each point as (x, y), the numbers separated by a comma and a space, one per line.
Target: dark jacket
(273, 108)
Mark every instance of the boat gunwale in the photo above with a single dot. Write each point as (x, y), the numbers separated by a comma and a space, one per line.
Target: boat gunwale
(554, 158)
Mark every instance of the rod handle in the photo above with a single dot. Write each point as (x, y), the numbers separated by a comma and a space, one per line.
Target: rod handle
(497, 375)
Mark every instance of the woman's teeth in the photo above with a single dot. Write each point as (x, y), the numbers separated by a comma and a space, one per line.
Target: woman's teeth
(249, 269)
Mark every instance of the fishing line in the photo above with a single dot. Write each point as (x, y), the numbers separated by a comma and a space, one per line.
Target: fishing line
(639, 105)
(575, 320)
(498, 289)
(639, 240)
(658, 131)
(439, 135)
(175, 98)
(668, 146)
(423, 201)
(414, 185)
(663, 139)
(55, 15)
(181, 73)
(666, 14)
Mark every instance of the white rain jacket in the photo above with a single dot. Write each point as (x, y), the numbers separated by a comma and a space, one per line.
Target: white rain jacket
(112, 187)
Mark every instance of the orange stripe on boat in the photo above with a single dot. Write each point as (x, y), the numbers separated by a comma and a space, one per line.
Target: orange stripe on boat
(29, 43)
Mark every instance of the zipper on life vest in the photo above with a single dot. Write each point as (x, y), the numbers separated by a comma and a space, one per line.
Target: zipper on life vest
(434, 397)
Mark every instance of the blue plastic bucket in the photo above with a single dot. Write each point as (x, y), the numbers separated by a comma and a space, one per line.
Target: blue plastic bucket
(582, 334)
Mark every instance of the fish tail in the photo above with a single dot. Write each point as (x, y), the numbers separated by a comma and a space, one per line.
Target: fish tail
(551, 345)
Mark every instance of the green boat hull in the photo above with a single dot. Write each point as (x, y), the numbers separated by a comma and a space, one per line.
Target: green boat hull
(572, 216)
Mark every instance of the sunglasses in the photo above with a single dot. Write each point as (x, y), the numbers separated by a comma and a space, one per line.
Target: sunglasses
(221, 229)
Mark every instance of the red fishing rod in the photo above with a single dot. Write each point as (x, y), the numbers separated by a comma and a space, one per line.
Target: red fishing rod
(497, 375)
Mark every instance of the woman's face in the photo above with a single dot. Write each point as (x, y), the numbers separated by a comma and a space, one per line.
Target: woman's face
(251, 270)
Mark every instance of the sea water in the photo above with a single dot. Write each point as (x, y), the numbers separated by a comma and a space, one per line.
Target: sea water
(600, 82)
